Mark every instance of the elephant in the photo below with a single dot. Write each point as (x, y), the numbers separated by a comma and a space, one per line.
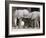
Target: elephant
(35, 15)
(21, 14)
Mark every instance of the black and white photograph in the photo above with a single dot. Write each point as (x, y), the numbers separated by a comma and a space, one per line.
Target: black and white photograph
(25, 18)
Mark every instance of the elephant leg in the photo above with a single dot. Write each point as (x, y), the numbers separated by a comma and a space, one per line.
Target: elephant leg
(38, 24)
(35, 22)
(20, 22)
(32, 24)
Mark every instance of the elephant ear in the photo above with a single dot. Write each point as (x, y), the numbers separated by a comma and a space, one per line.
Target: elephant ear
(35, 14)
(26, 12)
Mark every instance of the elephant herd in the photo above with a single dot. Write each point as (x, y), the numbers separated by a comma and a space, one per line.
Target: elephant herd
(20, 14)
